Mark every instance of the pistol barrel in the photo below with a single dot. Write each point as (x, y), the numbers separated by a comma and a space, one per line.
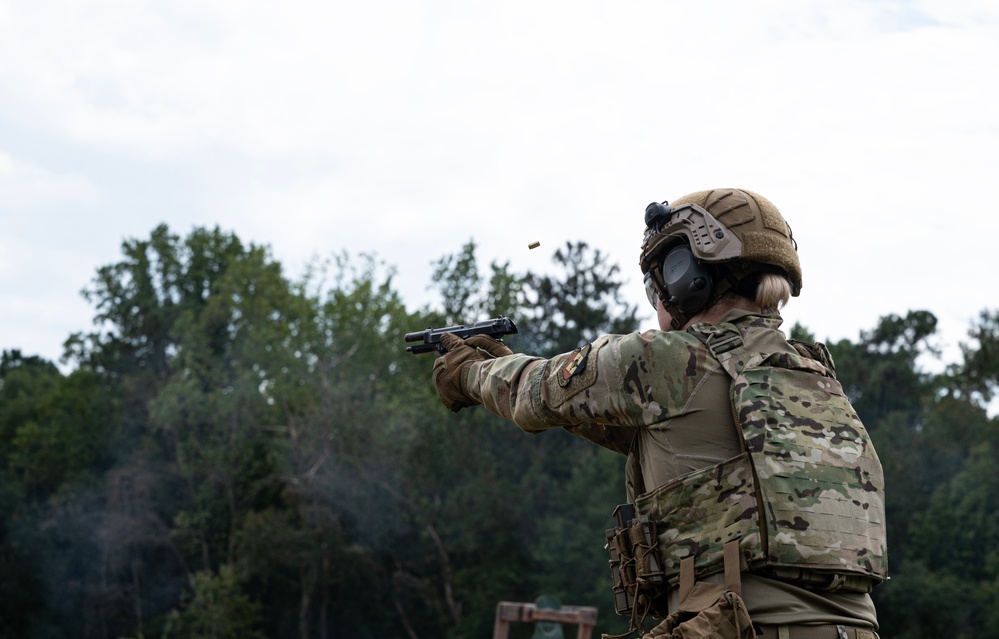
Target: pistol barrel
(417, 336)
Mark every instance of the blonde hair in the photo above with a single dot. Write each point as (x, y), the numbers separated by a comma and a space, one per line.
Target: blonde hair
(773, 292)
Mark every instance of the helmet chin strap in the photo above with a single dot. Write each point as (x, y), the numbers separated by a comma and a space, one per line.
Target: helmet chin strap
(678, 319)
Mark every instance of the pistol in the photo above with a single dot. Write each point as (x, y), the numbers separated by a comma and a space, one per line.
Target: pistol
(431, 338)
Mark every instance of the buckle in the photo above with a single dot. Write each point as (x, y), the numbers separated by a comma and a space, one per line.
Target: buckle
(720, 340)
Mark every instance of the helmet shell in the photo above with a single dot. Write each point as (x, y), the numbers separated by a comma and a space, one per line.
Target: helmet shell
(728, 226)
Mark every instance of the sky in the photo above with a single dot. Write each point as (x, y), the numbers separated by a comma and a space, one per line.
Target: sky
(405, 129)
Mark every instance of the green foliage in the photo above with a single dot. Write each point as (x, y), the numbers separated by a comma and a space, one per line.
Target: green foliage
(464, 299)
(880, 373)
(570, 560)
(237, 454)
(801, 333)
(22, 590)
(580, 303)
(458, 279)
(217, 608)
(977, 377)
(960, 529)
(53, 428)
(955, 556)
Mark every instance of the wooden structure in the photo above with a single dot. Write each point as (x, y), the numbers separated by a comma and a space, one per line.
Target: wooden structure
(506, 612)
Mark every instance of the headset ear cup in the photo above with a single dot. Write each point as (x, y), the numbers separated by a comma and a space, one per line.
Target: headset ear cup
(687, 281)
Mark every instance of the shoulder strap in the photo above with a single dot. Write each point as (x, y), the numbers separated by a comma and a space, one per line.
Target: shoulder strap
(726, 344)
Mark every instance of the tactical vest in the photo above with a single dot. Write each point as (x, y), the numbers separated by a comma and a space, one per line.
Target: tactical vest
(805, 499)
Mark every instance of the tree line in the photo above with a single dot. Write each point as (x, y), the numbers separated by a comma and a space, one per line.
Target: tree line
(234, 453)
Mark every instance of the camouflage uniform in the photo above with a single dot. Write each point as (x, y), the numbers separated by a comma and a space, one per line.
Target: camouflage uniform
(663, 399)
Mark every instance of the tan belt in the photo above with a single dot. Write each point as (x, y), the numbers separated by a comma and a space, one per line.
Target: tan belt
(795, 631)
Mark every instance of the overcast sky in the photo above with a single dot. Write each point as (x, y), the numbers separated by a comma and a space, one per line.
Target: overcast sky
(407, 128)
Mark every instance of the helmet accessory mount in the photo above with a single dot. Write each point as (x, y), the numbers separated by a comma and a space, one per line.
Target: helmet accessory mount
(657, 214)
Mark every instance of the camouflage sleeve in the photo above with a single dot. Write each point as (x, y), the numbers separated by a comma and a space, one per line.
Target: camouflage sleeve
(594, 386)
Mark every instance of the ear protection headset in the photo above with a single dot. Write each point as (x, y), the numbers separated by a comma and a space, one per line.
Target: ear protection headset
(682, 282)
(687, 282)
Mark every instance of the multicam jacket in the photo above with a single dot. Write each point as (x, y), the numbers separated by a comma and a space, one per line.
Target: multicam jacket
(666, 387)
(665, 399)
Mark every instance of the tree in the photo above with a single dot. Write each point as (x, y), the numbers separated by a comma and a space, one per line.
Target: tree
(67, 435)
(216, 609)
(977, 377)
(463, 298)
(187, 331)
(210, 409)
(55, 432)
(880, 373)
(577, 305)
(346, 401)
(955, 557)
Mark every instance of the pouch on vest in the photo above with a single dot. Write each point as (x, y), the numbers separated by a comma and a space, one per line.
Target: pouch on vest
(622, 560)
(635, 566)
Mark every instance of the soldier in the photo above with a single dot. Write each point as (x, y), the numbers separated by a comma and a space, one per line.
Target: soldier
(755, 497)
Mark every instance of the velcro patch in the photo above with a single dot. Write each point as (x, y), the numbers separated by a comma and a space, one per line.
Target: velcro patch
(570, 374)
(575, 366)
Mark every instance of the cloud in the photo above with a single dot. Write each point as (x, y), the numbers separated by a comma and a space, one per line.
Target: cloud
(165, 78)
(24, 185)
(407, 128)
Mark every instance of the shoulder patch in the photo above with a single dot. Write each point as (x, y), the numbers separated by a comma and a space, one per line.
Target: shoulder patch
(575, 366)
(571, 373)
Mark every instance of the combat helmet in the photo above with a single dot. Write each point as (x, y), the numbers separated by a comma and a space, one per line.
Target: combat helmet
(708, 243)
